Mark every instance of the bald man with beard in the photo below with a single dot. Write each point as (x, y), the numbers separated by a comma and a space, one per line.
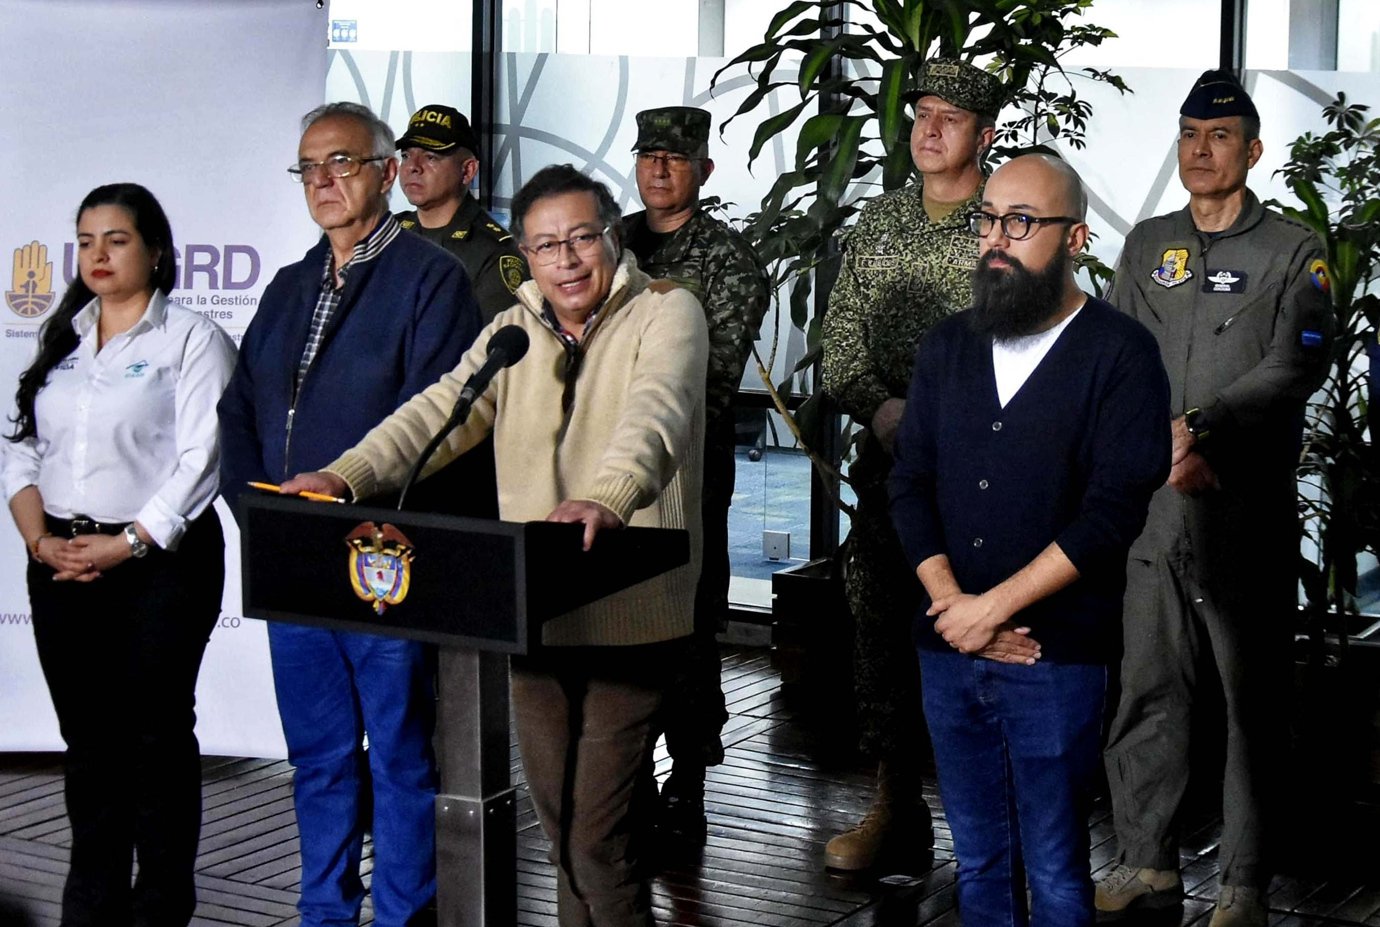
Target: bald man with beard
(1032, 440)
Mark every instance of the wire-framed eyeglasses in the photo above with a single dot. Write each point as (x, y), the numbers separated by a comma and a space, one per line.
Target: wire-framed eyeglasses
(335, 166)
(548, 252)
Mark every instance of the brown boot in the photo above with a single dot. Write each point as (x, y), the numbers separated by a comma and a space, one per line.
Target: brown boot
(898, 818)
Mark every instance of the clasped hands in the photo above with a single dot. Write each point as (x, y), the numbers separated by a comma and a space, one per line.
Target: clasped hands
(83, 558)
(975, 625)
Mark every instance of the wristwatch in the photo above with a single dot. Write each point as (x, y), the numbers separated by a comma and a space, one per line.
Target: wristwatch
(1193, 421)
(137, 547)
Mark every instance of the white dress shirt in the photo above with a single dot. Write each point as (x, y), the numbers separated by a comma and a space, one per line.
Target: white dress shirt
(129, 432)
(1015, 359)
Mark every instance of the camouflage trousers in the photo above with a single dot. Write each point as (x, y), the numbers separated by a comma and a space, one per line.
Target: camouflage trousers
(883, 595)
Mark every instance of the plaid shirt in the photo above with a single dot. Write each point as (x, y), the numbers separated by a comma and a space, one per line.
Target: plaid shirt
(329, 300)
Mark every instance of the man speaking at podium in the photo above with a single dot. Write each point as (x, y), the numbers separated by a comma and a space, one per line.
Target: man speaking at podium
(601, 424)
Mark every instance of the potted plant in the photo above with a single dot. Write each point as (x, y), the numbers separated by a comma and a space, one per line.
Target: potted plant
(1334, 176)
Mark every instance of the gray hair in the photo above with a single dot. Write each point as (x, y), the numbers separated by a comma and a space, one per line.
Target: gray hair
(380, 130)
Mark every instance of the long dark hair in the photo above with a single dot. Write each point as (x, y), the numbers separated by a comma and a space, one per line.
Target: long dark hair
(58, 338)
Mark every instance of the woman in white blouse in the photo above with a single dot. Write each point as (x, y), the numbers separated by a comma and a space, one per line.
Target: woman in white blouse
(110, 474)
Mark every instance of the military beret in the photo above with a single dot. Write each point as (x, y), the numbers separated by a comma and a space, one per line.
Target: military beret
(963, 85)
(682, 129)
(1216, 95)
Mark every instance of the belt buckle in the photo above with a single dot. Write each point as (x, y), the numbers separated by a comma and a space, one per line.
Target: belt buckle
(81, 524)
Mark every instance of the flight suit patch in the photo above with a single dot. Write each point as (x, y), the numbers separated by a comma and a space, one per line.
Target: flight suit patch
(1224, 281)
(1173, 269)
(1317, 271)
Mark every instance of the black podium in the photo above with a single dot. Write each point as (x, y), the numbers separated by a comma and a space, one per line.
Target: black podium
(481, 590)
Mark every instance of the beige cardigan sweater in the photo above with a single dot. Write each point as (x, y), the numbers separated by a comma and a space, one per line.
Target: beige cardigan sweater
(632, 439)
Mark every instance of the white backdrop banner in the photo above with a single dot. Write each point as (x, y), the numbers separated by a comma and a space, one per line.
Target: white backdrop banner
(199, 102)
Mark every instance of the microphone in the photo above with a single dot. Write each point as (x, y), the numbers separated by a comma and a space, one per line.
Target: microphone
(506, 347)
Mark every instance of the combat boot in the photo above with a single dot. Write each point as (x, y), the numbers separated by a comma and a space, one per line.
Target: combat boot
(1239, 906)
(898, 819)
(1127, 889)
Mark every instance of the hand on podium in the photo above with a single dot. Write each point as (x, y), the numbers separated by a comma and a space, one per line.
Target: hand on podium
(592, 515)
(319, 483)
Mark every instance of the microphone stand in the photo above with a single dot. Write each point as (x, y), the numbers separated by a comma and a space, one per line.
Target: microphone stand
(457, 418)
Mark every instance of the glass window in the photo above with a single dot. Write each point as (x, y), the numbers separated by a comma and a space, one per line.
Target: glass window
(1177, 33)
(416, 25)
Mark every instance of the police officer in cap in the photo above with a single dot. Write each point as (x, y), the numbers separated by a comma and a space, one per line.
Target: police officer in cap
(676, 239)
(1237, 296)
(908, 262)
(438, 166)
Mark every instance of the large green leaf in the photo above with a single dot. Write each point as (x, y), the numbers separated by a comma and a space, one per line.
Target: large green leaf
(839, 169)
(773, 126)
(891, 102)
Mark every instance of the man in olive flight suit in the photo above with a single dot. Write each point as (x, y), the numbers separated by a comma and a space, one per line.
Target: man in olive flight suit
(438, 164)
(675, 238)
(1237, 296)
(907, 263)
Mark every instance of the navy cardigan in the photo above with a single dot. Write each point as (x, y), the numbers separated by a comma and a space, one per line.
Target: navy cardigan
(1073, 458)
(405, 318)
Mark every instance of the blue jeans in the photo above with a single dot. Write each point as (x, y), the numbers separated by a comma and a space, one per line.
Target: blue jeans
(1017, 748)
(334, 687)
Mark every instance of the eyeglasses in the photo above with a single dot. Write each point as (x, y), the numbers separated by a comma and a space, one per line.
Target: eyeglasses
(673, 162)
(334, 166)
(1014, 225)
(548, 252)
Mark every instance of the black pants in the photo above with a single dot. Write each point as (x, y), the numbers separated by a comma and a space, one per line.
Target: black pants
(121, 656)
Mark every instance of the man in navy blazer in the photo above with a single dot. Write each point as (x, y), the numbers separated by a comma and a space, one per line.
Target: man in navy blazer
(341, 339)
(1032, 440)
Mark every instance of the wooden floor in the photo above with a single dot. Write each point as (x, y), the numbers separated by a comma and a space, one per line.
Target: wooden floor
(788, 783)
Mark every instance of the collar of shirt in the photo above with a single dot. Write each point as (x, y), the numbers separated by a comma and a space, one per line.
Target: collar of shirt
(153, 316)
(370, 247)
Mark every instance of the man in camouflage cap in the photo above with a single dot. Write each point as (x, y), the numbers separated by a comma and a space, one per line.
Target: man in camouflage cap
(1237, 296)
(907, 263)
(438, 166)
(676, 239)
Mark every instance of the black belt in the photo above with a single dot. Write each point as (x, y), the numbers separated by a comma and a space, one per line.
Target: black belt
(75, 527)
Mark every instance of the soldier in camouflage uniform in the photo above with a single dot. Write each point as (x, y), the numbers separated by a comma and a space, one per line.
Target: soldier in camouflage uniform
(438, 166)
(676, 239)
(907, 263)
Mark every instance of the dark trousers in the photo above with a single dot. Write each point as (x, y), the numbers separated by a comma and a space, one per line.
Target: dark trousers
(585, 729)
(1017, 748)
(121, 656)
(695, 711)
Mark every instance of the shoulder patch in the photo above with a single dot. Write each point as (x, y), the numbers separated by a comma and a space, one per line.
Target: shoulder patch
(498, 230)
(512, 270)
(1317, 272)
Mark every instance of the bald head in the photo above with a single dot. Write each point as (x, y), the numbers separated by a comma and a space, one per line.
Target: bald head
(1047, 185)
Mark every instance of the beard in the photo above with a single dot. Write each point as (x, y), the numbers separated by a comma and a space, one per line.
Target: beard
(1012, 302)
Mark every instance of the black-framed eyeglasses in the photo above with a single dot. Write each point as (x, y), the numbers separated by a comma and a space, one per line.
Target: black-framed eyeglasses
(673, 162)
(548, 252)
(1014, 225)
(334, 166)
